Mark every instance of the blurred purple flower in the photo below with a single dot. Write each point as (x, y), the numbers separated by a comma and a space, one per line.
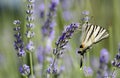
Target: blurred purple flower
(87, 71)
(95, 63)
(85, 12)
(67, 15)
(103, 68)
(24, 70)
(104, 56)
(47, 28)
(53, 5)
(86, 17)
(48, 70)
(67, 4)
(21, 53)
(30, 46)
(40, 54)
(53, 69)
(42, 10)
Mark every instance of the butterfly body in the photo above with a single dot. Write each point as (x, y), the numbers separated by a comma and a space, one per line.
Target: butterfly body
(91, 34)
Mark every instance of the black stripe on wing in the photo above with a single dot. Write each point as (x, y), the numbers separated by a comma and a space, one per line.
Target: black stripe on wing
(101, 34)
(91, 32)
(86, 31)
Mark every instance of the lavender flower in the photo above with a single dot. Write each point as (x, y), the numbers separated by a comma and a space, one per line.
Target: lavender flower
(103, 68)
(42, 10)
(29, 31)
(87, 71)
(30, 6)
(19, 47)
(67, 14)
(85, 18)
(64, 38)
(47, 28)
(55, 70)
(30, 46)
(29, 12)
(85, 12)
(66, 4)
(30, 25)
(18, 43)
(24, 70)
(53, 5)
(31, 1)
(116, 61)
(30, 19)
(104, 56)
(21, 53)
(60, 46)
(30, 34)
(17, 22)
(43, 58)
(52, 69)
(47, 31)
(40, 54)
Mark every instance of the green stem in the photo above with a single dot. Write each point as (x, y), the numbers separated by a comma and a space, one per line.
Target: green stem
(52, 75)
(25, 77)
(88, 59)
(31, 64)
(111, 47)
(45, 2)
(114, 69)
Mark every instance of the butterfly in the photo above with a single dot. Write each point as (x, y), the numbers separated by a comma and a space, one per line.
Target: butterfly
(91, 34)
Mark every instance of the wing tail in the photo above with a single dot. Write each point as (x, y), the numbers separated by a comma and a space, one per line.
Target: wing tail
(81, 61)
(81, 58)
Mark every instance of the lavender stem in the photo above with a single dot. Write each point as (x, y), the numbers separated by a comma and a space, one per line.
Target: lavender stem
(31, 64)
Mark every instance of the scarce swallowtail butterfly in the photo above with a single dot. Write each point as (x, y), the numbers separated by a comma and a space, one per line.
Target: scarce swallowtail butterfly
(91, 34)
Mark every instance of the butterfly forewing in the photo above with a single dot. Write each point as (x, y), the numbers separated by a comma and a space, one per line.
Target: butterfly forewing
(101, 34)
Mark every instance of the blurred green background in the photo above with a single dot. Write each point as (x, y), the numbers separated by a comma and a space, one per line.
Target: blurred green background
(105, 13)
